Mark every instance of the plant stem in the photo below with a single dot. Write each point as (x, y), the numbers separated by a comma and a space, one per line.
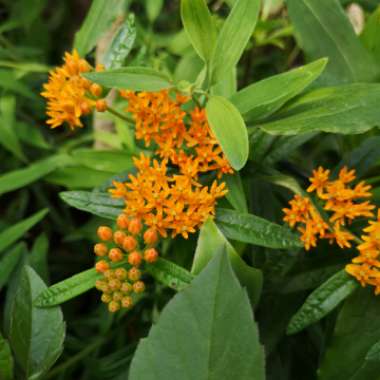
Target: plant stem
(122, 116)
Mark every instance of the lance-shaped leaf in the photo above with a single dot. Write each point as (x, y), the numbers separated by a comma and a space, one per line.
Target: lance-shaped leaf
(211, 242)
(323, 300)
(133, 78)
(263, 98)
(36, 335)
(346, 109)
(9, 261)
(323, 30)
(252, 229)
(199, 26)
(98, 20)
(189, 341)
(100, 204)
(233, 38)
(6, 360)
(229, 128)
(353, 352)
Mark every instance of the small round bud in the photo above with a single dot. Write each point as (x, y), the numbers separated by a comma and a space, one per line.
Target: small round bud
(134, 274)
(129, 243)
(115, 255)
(150, 236)
(105, 233)
(99, 67)
(122, 221)
(101, 266)
(118, 296)
(127, 302)
(135, 258)
(108, 274)
(151, 255)
(101, 105)
(106, 298)
(121, 273)
(126, 287)
(96, 90)
(114, 306)
(138, 287)
(114, 284)
(135, 226)
(118, 237)
(100, 284)
(100, 249)
(85, 108)
(83, 66)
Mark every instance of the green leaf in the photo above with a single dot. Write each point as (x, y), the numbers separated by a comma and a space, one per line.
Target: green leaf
(36, 335)
(6, 360)
(370, 34)
(121, 44)
(67, 289)
(210, 243)
(131, 78)
(263, 98)
(8, 263)
(228, 127)
(8, 137)
(21, 177)
(323, 30)
(38, 257)
(356, 340)
(236, 195)
(189, 341)
(199, 27)
(98, 21)
(252, 229)
(170, 274)
(154, 8)
(322, 301)
(345, 109)
(100, 204)
(12, 234)
(233, 38)
(9, 81)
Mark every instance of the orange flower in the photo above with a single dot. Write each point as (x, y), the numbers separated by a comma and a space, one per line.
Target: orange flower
(66, 92)
(167, 202)
(319, 180)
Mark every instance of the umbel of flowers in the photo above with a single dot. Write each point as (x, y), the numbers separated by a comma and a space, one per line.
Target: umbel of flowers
(342, 202)
(167, 196)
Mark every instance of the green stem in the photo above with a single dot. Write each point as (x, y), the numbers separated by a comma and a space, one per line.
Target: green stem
(72, 361)
(122, 116)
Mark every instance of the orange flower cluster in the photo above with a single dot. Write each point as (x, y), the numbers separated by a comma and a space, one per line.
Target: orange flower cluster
(343, 201)
(175, 203)
(122, 247)
(172, 198)
(366, 267)
(160, 119)
(66, 92)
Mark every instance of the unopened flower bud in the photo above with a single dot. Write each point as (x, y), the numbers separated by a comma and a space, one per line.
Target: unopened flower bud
(101, 105)
(150, 236)
(135, 226)
(101, 266)
(129, 243)
(151, 255)
(117, 296)
(135, 258)
(118, 237)
(105, 233)
(126, 287)
(115, 255)
(127, 302)
(121, 273)
(138, 287)
(134, 274)
(99, 67)
(100, 249)
(114, 284)
(85, 108)
(96, 90)
(106, 298)
(108, 274)
(122, 221)
(114, 306)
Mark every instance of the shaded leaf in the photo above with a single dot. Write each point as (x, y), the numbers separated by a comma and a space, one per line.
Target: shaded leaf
(6, 360)
(189, 341)
(8, 263)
